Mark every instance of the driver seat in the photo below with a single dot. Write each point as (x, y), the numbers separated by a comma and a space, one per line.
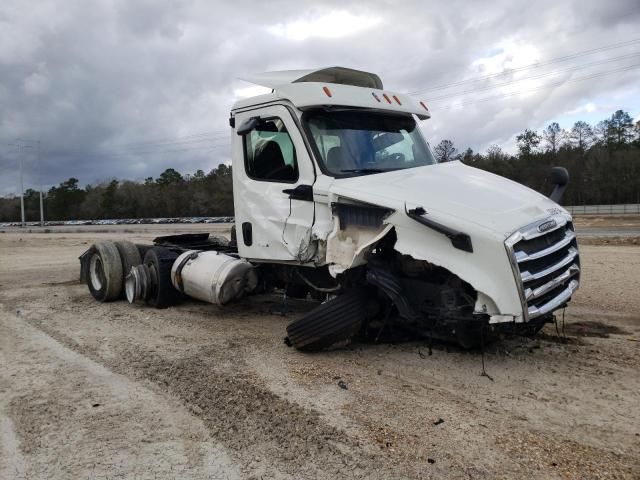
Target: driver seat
(269, 161)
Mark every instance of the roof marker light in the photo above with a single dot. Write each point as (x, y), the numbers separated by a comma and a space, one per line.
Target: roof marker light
(424, 106)
(375, 96)
(327, 91)
(386, 98)
(397, 100)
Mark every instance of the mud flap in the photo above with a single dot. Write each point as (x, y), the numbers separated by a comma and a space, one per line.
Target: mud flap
(84, 265)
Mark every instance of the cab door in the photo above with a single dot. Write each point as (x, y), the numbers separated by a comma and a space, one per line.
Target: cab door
(273, 179)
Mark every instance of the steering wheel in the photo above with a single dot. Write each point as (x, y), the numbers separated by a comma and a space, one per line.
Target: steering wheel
(397, 157)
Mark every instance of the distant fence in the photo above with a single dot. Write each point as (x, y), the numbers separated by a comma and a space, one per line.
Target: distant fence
(604, 209)
(126, 221)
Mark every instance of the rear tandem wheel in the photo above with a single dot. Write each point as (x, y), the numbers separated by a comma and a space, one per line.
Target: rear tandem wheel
(162, 293)
(105, 273)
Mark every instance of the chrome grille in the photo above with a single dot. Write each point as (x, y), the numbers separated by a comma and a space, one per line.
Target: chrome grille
(546, 265)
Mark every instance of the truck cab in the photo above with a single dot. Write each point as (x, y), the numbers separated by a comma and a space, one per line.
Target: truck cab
(330, 170)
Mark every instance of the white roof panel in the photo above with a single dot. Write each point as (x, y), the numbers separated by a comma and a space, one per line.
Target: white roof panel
(333, 87)
(338, 75)
(274, 79)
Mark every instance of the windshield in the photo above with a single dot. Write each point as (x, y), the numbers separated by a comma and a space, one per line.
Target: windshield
(358, 143)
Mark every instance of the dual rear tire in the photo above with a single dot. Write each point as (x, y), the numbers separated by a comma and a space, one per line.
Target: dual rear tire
(105, 271)
(109, 263)
(162, 293)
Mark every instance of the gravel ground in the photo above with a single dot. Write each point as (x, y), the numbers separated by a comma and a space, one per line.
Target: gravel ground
(610, 227)
(102, 391)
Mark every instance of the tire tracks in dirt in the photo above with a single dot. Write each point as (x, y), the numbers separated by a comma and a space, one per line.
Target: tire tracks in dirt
(66, 416)
(268, 435)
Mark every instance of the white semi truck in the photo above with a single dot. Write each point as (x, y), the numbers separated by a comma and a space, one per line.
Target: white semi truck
(338, 196)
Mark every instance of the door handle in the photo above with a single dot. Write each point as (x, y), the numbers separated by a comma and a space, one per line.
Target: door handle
(301, 192)
(247, 234)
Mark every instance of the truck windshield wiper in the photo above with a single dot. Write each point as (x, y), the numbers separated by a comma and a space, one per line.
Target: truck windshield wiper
(365, 170)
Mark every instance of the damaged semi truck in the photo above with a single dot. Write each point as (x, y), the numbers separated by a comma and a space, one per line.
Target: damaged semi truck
(337, 196)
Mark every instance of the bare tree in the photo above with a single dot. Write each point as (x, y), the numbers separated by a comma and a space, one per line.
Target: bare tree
(445, 151)
(552, 136)
(495, 153)
(581, 135)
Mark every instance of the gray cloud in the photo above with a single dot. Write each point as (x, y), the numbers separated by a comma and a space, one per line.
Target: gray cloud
(96, 80)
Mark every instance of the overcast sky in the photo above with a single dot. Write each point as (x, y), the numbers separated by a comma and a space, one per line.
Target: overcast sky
(128, 88)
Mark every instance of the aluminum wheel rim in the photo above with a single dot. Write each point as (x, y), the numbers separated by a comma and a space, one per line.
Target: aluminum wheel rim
(96, 272)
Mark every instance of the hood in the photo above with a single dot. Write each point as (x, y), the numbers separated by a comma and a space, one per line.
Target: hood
(451, 192)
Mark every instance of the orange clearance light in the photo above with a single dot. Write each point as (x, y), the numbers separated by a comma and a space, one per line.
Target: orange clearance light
(386, 98)
(327, 91)
(376, 96)
(424, 106)
(397, 100)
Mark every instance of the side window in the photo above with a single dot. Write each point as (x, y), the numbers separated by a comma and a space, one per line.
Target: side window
(269, 153)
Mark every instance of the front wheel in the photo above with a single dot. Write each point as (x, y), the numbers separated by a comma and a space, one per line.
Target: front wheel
(334, 321)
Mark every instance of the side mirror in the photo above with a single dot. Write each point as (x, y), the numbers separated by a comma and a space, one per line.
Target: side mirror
(248, 125)
(559, 180)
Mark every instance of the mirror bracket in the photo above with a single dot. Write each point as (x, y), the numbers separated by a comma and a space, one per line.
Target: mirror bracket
(248, 125)
(559, 180)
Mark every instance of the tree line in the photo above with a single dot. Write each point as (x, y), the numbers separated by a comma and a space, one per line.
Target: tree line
(603, 161)
(170, 195)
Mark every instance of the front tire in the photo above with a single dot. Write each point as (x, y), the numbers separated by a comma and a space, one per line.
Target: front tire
(336, 320)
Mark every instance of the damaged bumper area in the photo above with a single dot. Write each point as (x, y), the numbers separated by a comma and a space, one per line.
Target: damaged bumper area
(428, 282)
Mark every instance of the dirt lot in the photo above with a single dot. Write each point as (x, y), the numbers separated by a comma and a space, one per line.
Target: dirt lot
(104, 391)
(608, 229)
(607, 221)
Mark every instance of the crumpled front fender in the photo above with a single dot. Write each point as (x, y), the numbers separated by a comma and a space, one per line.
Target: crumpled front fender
(486, 269)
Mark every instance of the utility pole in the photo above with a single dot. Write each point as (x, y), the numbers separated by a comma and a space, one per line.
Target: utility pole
(40, 175)
(21, 147)
(22, 190)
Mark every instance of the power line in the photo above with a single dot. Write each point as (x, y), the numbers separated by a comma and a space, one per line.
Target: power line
(170, 140)
(158, 148)
(544, 87)
(533, 77)
(530, 66)
(158, 152)
(169, 144)
(208, 147)
(212, 133)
